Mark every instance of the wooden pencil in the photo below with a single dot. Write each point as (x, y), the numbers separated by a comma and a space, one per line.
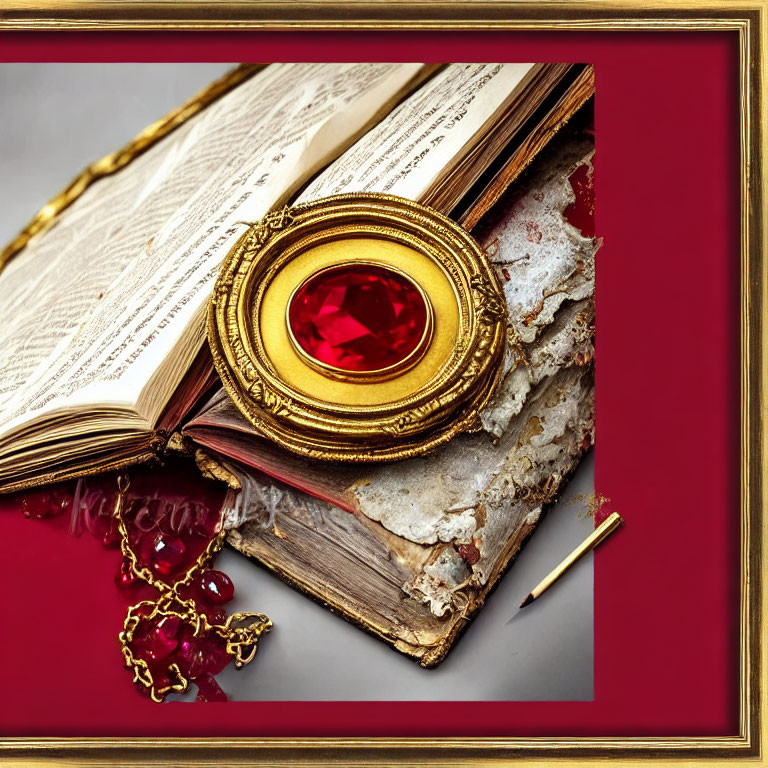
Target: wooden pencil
(607, 527)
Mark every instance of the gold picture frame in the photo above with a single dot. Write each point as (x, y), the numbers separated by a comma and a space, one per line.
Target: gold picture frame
(749, 20)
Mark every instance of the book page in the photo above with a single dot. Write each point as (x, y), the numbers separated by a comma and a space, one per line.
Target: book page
(408, 151)
(92, 308)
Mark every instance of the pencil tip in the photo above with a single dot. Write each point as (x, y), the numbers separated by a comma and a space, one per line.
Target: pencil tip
(528, 600)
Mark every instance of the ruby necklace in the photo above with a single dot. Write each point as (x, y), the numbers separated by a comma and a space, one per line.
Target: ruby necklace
(178, 633)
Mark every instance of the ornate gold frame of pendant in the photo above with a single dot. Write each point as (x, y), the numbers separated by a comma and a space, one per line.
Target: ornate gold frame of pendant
(324, 411)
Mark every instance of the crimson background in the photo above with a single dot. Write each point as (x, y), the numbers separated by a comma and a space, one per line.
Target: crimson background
(666, 586)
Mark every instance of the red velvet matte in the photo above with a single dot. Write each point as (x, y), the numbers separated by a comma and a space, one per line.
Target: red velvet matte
(666, 589)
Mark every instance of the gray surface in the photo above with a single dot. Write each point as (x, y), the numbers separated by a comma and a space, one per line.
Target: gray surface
(57, 118)
(541, 652)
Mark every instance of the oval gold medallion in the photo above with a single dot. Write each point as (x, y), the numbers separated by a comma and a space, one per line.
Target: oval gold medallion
(358, 328)
(360, 321)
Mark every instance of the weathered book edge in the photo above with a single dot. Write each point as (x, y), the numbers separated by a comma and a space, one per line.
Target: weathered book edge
(427, 656)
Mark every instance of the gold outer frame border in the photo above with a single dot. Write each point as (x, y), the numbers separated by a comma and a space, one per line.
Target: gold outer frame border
(748, 19)
(404, 426)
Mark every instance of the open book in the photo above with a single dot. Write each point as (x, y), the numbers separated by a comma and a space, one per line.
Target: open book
(102, 321)
(102, 315)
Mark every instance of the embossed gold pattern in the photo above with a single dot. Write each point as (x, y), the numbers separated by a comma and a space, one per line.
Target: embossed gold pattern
(401, 417)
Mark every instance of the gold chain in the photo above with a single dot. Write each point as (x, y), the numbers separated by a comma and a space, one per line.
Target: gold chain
(241, 631)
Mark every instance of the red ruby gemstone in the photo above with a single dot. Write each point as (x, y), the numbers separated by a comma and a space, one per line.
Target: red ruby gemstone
(156, 640)
(106, 528)
(215, 614)
(162, 553)
(125, 577)
(191, 657)
(48, 503)
(215, 587)
(163, 639)
(198, 656)
(358, 317)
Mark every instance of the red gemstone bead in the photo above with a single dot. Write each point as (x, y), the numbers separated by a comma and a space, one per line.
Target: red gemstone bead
(49, 503)
(36, 505)
(198, 656)
(144, 609)
(215, 615)
(156, 639)
(125, 577)
(61, 500)
(216, 654)
(163, 639)
(160, 678)
(106, 528)
(190, 658)
(162, 553)
(358, 317)
(215, 587)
